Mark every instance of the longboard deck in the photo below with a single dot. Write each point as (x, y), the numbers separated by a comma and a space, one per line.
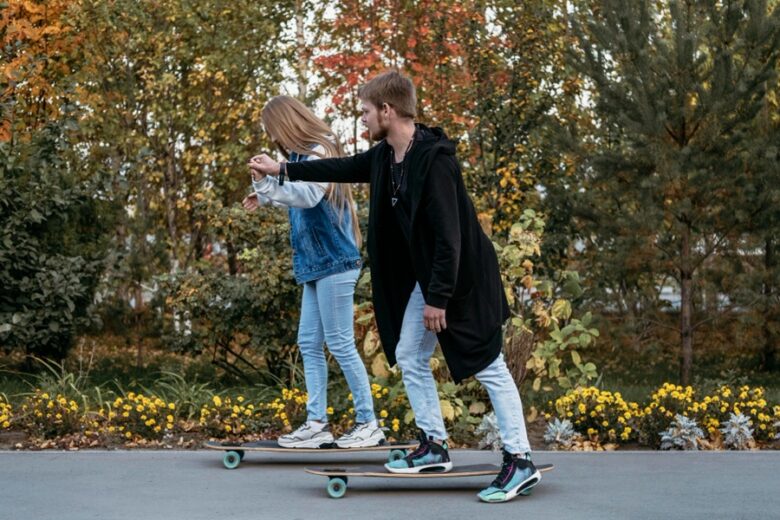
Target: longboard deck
(473, 470)
(273, 446)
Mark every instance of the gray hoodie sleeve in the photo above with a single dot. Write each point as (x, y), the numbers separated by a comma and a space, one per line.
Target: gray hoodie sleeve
(290, 194)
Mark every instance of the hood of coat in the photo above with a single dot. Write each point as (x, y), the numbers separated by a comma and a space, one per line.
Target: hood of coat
(433, 140)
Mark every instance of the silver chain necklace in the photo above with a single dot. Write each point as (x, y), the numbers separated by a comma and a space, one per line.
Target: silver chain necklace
(394, 196)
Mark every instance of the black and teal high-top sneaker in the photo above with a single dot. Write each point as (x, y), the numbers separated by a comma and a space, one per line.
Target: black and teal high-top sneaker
(429, 456)
(517, 476)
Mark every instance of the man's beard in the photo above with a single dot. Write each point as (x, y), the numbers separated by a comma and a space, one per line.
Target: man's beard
(381, 133)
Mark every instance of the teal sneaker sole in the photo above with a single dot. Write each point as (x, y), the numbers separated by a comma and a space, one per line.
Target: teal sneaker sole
(523, 488)
(438, 467)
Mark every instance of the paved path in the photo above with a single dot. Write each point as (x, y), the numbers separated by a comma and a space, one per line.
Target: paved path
(193, 485)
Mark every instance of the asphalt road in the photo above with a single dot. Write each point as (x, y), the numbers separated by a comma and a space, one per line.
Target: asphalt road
(193, 485)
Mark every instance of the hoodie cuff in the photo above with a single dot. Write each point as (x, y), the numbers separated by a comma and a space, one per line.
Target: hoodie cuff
(262, 186)
(437, 300)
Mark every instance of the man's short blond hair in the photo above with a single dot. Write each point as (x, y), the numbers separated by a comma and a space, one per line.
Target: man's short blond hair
(393, 88)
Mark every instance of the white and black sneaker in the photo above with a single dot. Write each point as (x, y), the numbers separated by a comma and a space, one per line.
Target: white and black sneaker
(362, 435)
(309, 435)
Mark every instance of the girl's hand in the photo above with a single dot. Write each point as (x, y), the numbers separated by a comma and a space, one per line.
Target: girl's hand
(250, 202)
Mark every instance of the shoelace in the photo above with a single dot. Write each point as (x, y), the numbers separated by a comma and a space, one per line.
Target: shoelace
(506, 467)
(421, 448)
(352, 429)
(302, 428)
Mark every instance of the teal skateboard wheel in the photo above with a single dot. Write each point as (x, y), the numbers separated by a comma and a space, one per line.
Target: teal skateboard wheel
(396, 455)
(337, 486)
(232, 459)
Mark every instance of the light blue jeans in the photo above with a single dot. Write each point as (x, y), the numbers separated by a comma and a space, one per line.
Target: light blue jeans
(413, 354)
(327, 316)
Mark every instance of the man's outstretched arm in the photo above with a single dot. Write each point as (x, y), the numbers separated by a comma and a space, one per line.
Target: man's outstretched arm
(356, 168)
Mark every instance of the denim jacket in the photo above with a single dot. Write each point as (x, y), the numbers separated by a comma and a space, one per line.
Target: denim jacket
(321, 245)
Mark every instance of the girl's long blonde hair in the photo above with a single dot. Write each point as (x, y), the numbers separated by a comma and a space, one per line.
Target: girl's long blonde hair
(293, 127)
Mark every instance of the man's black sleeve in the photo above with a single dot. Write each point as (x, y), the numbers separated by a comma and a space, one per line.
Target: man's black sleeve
(441, 209)
(356, 168)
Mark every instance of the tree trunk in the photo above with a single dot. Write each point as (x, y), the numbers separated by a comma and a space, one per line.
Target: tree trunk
(232, 258)
(769, 350)
(139, 313)
(300, 40)
(686, 304)
(170, 187)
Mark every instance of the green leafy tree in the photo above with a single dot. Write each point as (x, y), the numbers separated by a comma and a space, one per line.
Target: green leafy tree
(676, 90)
(172, 94)
(52, 243)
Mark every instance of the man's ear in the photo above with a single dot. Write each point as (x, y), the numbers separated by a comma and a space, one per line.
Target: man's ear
(386, 109)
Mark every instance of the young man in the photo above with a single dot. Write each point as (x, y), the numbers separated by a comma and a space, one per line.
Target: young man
(434, 274)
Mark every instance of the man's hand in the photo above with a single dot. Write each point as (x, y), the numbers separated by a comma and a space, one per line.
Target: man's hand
(262, 165)
(433, 319)
(250, 202)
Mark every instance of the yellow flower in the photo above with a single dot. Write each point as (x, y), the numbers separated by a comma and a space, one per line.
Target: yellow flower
(383, 414)
(217, 400)
(329, 411)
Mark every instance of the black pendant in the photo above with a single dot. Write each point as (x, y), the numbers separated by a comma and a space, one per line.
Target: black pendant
(394, 200)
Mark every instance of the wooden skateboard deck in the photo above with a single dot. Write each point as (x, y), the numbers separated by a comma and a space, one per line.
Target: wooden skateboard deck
(274, 446)
(234, 453)
(337, 477)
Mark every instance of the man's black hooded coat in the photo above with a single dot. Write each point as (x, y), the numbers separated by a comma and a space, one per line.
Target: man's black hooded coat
(447, 252)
